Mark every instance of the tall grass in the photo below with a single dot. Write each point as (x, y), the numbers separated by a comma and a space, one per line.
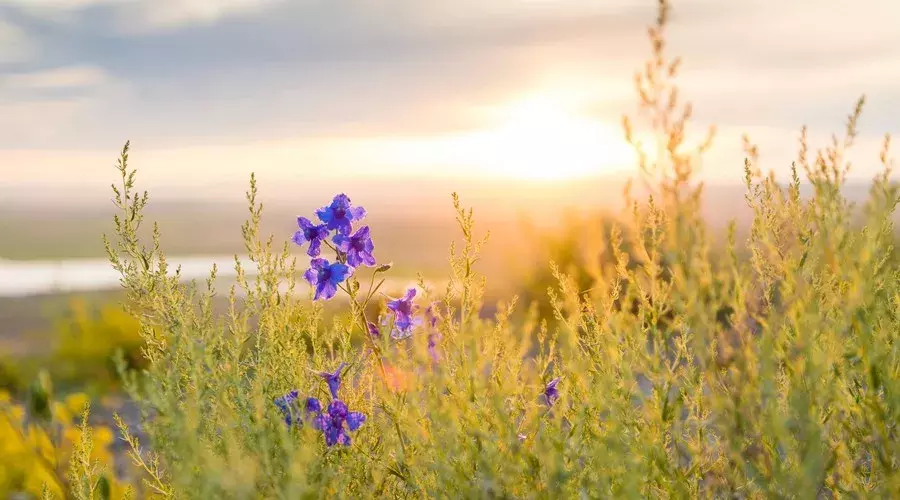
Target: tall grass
(683, 372)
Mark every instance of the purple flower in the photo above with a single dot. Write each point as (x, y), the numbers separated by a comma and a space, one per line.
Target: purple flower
(551, 393)
(326, 277)
(313, 405)
(403, 310)
(333, 380)
(433, 339)
(431, 315)
(357, 247)
(332, 423)
(288, 406)
(340, 215)
(373, 329)
(311, 233)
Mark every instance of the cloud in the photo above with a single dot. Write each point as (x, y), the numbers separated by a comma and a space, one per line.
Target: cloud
(14, 44)
(140, 16)
(56, 78)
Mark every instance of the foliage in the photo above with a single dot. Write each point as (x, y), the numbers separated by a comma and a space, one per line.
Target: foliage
(86, 341)
(675, 373)
(45, 450)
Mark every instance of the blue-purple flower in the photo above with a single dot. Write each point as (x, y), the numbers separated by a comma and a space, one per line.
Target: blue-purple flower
(433, 338)
(358, 247)
(404, 309)
(431, 314)
(333, 380)
(340, 214)
(326, 277)
(373, 329)
(312, 234)
(332, 423)
(551, 393)
(290, 410)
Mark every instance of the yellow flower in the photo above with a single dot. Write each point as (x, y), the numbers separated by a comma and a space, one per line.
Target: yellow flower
(76, 402)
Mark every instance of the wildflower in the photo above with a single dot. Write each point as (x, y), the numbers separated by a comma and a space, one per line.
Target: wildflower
(288, 406)
(309, 232)
(326, 277)
(313, 405)
(357, 247)
(332, 423)
(340, 215)
(431, 315)
(373, 329)
(433, 338)
(333, 380)
(404, 309)
(285, 404)
(551, 393)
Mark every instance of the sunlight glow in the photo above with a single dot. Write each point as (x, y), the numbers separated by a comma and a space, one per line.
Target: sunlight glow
(539, 138)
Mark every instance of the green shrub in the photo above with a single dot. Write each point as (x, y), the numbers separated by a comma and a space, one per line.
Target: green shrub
(88, 339)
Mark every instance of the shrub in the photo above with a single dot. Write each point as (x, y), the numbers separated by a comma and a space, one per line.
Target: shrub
(46, 451)
(88, 339)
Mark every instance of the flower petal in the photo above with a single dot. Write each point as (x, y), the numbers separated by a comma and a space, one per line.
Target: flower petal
(355, 419)
(325, 290)
(363, 234)
(339, 272)
(366, 258)
(314, 248)
(312, 276)
(340, 201)
(337, 410)
(357, 213)
(342, 242)
(304, 223)
(325, 214)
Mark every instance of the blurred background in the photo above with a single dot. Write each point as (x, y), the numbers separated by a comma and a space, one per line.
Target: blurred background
(515, 105)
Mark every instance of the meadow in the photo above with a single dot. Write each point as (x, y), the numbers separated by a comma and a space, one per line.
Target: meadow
(644, 353)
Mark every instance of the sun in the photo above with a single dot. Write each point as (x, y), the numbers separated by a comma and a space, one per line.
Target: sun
(541, 138)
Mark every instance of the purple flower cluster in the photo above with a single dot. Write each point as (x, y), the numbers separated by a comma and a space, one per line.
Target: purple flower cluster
(551, 393)
(289, 406)
(334, 422)
(404, 310)
(352, 250)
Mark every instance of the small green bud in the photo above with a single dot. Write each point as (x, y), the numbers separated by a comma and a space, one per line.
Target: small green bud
(384, 267)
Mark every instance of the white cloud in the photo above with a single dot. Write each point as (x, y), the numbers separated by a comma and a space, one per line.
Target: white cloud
(14, 44)
(144, 16)
(47, 121)
(164, 14)
(57, 78)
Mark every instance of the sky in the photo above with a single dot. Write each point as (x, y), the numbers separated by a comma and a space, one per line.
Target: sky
(308, 93)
